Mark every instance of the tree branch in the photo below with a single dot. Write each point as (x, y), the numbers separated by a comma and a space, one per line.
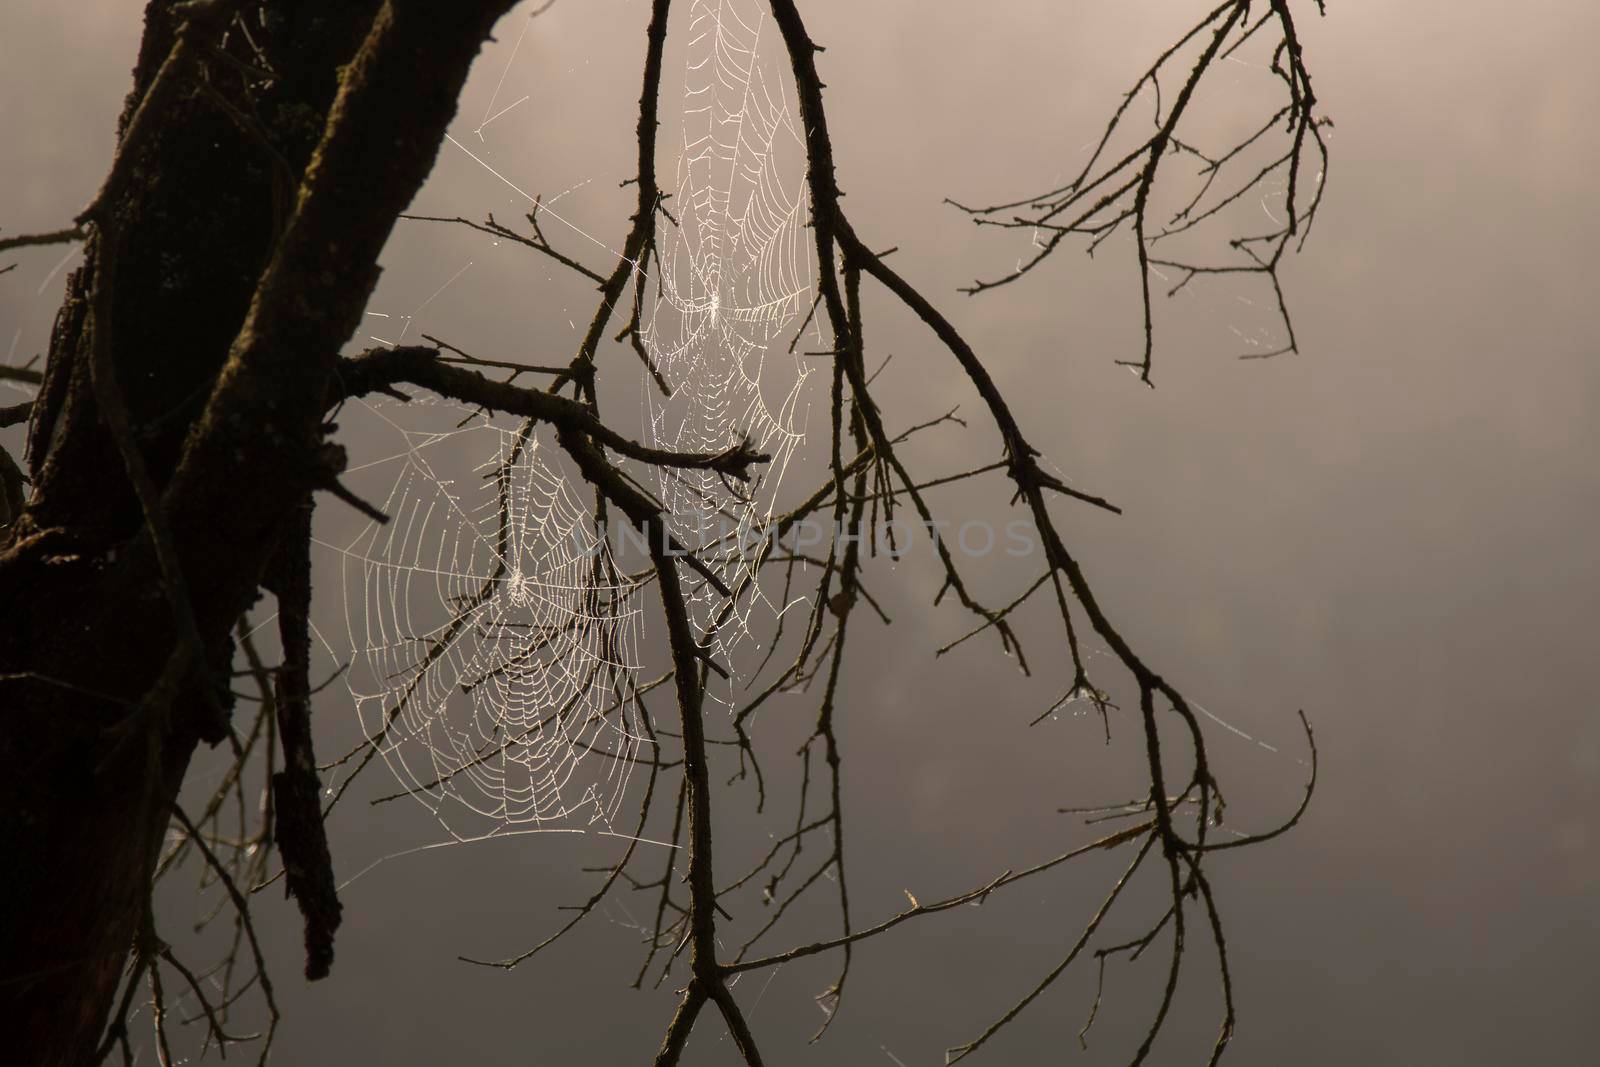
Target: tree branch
(384, 367)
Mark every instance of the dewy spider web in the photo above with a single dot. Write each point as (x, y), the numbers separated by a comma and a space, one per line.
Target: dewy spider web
(494, 642)
(735, 284)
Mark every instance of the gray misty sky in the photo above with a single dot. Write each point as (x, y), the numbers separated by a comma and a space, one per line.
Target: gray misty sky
(1393, 529)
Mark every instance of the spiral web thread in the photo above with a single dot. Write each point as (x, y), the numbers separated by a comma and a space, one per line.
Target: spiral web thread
(735, 283)
(495, 644)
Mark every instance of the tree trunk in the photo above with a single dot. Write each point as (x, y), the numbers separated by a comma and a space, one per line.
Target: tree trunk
(231, 253)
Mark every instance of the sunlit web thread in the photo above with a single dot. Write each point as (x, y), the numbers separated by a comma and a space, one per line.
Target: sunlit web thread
(494, 644)
(736, 278)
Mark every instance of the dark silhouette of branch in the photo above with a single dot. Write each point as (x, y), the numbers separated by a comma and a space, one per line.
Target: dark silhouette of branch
(385, 367)
(1110, 195)
(34, 240)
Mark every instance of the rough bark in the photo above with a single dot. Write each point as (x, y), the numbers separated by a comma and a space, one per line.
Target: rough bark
(230, 259)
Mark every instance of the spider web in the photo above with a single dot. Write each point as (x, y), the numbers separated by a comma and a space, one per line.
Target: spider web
(495, 644)
(735, 281)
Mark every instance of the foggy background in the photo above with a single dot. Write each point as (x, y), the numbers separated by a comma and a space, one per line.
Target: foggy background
(1393, 530)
